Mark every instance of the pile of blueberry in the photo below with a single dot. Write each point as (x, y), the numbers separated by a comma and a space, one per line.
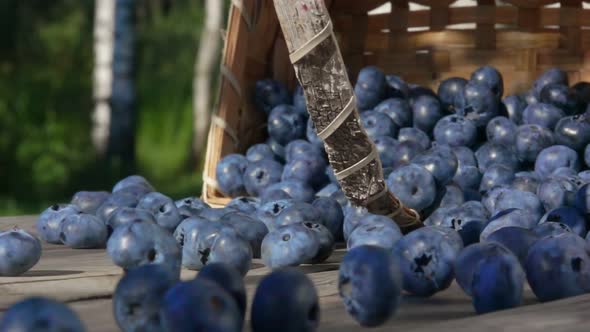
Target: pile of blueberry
(501, 182)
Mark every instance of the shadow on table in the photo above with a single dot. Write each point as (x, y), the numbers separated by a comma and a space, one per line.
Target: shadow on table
(49, 273)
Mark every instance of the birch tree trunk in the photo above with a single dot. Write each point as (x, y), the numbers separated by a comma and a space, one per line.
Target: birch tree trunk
(104, 30)
(205, 65)
(322, 74)
(123, 98)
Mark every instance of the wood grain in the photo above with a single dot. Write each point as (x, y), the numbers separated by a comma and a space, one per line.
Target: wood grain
(85, 279)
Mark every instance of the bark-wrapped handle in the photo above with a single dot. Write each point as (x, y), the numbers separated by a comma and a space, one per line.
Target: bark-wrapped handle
(329, 96)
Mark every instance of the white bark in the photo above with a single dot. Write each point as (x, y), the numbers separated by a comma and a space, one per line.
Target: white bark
(104, 27)
(204, 68)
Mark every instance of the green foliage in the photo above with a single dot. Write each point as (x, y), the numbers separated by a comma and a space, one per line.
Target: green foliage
(46, 59)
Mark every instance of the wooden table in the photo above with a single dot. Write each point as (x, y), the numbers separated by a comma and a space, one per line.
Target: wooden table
(85, 279)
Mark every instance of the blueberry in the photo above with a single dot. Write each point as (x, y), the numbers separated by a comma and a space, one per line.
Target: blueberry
(230, 174)
(333, 216)
(126, 215)
(143, 242)
(244, 204)
(481, 103)
(490, 198)
(552, 75)
(558, 267)
(496, 175)
(384, 234)
(378, 124)
(135, 191)
(325, 240)
(273, 195)
(369, 283)
(526, 181)
(214, 214)
(83, 231)
(426, 259)
(333, 190)
(227, 247)
(557, 191)
(584, 176)
(466, 262)
(204, 242)
(515, 106)
(404, 153)
(450, 235)
(466, 222)
(583, 199)
(453, 196)
(573, 131)
(249, 228)
(296, 213)
(269, 93)
(286, 124)
(501, 130)
(89, 201)
(455, 130)
(512, 217)
(396, 87)
(200, 305)
(417, 91)
(289, 245)
(530, 140)
(415, 135)
(277, 148)
(398, 110)
(519, 199)
(308, 170)
(467, 175)
(568, 216)
(550, 229)
(228, 278)
(426, 111)
(587, 155)
(138, 297)
(387, 148)
(491, 153)
(163, 208)
(562, 97)
(49, 223)
(543, 115)
(530, 97)
(40, 314)
(583, 91)
(259, 152)
(299, 99)
(297, 190)
(498, 283)
(261, 174)
(190, 206)
(556, 156)
(353, 216)
(450, 92)
(132, 180)
(440, 161)
(299, 148)
(516, 239)
(370, 87)
(115, 201)
(413, 185)
(274, 294)
(490, 77)
(19, 252)
(269, 211)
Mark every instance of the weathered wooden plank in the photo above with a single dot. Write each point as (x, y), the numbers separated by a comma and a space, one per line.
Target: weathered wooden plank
(85, 280)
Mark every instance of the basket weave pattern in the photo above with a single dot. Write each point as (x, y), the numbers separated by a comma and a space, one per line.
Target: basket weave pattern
(423, 41)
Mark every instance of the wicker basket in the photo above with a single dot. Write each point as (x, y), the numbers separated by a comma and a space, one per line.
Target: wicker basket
(423, 41)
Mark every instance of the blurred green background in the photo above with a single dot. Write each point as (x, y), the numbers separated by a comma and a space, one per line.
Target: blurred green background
(46, 63)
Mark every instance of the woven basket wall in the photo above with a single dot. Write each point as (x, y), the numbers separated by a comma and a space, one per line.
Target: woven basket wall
(423, 41)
